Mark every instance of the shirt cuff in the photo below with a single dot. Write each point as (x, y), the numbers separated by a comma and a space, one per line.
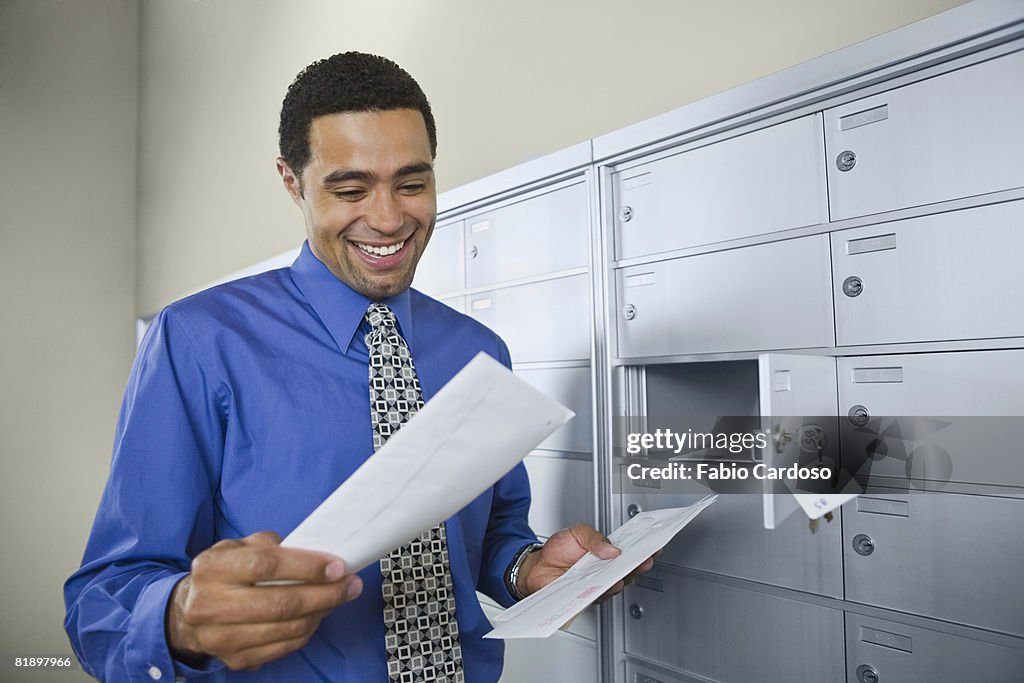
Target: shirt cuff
(147, 656)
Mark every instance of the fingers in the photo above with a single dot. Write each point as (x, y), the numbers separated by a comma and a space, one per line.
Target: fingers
(218, 604)
(242, 637)
(620, 585)
(595, 542)
(219, 610)
(568, 545)
(253, 658)
(260, 557)
(645, 566)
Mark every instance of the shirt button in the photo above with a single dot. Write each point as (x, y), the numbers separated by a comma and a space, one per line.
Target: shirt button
(155, 673)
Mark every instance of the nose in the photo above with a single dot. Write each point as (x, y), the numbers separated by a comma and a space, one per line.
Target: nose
(384, 213)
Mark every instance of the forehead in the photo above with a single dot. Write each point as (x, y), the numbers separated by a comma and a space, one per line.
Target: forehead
(376, 141)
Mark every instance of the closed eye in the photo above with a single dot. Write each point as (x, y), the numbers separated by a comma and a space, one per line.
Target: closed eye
(412, 188)
(350, 195)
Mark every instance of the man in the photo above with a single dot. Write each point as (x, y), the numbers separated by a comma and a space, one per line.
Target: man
(250, 402)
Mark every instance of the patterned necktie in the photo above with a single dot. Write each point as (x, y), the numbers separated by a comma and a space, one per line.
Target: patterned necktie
(421, 634)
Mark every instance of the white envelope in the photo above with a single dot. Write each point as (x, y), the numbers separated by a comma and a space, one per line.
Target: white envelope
(544, 612)
(472, 432)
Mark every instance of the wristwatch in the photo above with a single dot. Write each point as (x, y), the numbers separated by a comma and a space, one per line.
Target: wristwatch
(512, 574)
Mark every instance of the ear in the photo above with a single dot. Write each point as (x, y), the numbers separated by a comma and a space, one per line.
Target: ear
(292, 182)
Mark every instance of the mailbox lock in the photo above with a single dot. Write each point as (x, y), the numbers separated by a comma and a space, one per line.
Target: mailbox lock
(633, 510)
(853, 286)
(473, 252)
(782, 438)
(626, 214)
(863, 544)
(636, 611)
(629, 311)
(846, 160)
(867, 674)
(858, 416)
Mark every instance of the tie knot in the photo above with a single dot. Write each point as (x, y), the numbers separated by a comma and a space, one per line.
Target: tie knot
(379, 315)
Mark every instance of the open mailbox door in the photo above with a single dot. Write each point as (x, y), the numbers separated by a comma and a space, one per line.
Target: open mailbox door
(799, 405)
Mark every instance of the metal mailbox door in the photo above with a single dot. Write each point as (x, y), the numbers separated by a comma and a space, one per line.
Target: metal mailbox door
(545, 233)
(562, 491)
(442, 267)
(760, 182)
(543, 321)
(797, 397)
(693, 624)
(935, 278)
(879, 651)
(951, 421)
(955, 135)
(767, 296)
(570, 387)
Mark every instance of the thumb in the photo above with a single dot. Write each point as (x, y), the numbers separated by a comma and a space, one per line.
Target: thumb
(599, 545)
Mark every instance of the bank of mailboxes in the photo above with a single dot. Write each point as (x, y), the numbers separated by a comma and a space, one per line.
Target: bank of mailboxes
(901, 585)
(942, 566)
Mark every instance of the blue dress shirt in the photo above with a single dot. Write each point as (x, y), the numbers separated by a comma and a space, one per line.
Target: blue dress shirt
(247, 405)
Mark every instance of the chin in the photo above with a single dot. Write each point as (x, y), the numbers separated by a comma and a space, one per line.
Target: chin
(379, 290)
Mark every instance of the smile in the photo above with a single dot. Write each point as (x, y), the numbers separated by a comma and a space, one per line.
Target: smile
(380, 251)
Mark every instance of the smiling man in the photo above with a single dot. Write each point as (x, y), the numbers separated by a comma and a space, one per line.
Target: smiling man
(250, 402)
(367, 194)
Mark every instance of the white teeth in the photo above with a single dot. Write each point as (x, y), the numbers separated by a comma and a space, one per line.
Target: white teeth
(381, 251)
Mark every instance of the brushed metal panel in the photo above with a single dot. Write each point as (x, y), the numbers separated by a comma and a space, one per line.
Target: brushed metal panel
(954, 135)
(442, 267)
(909, 654)
(795, 391)
(542, 321)
(570, 387)
(456, 302)
(726, 633)
(543, 234)
(562, 657)
(563, 493)
(762, 297)
(642, 673)
(952, 557)
(946, 277)
(768, 180)
(969, 402)
(729, 538)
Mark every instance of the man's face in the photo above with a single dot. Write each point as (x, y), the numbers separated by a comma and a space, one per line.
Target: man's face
(368, 197)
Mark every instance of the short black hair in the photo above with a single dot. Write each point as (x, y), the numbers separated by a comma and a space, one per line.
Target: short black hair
(349, 81)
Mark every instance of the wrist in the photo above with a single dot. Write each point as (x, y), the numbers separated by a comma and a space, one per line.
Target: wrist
(181, 641)
(519, 570)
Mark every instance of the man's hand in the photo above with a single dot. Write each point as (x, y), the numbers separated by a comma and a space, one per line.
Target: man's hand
(561, 552)
(218, 611)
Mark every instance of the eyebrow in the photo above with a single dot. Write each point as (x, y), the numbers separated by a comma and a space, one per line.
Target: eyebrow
(366, 177)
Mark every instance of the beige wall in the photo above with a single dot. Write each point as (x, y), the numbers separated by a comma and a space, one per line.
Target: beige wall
(68, 103)
(509, 81)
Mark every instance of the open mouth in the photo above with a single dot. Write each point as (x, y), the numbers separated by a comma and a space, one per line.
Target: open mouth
(381, 251)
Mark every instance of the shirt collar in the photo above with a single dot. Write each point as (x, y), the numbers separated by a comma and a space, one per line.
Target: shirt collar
(340, 307)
